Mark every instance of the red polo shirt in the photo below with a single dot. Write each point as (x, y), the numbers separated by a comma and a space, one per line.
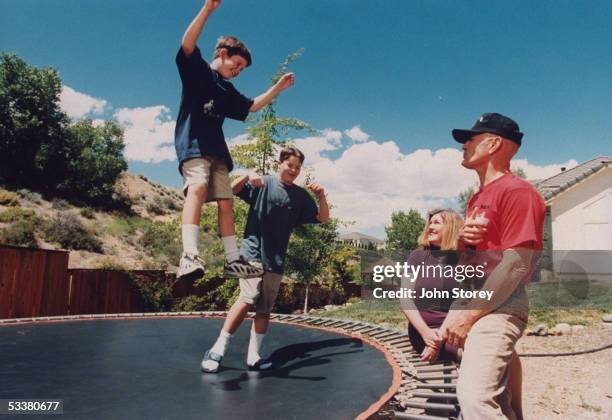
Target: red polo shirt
(513, 212)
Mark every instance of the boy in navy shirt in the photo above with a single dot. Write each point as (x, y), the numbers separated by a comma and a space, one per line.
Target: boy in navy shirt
(204, 159)
(276, 206)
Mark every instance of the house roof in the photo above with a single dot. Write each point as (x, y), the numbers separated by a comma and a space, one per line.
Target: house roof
(356, 236)
(556, 184)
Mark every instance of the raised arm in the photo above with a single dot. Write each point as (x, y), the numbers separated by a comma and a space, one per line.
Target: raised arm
(319, 191)
(238, 183)
(285, 82)
(190, 38)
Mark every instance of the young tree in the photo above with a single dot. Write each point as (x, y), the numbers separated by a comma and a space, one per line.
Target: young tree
(404, 230)
(260, 154)
(310, 250)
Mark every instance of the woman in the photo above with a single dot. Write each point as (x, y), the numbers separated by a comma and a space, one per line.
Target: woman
(438, 245)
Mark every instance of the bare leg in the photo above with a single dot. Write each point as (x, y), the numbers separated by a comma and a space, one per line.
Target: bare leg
(196, 194)
(515, 384)
(260, 324)
(226, 217)
(235, 316)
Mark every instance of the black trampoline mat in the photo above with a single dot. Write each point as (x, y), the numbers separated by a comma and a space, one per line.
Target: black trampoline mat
(150, 368)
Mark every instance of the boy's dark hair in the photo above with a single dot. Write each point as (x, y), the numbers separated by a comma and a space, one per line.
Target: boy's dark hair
(287, 152)
(234, 47)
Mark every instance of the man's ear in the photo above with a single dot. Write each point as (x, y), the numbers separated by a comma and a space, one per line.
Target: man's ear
(497, 145)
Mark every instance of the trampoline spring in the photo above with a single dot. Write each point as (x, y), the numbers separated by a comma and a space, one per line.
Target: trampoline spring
(367, 330)
(436, 395)
(398, 341)
(435, 386)
(431, 406)
(360, 326)
(421, 363)
(444, 376)
(392, 337)
(437, 368)
(410, 416)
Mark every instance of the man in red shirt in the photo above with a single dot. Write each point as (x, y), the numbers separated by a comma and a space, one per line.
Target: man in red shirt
(505, 218)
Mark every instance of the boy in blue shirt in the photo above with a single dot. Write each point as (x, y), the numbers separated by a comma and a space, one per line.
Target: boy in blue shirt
(204, 159)
(276, 206)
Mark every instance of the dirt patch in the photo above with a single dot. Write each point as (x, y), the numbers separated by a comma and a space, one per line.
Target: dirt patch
(568, 387)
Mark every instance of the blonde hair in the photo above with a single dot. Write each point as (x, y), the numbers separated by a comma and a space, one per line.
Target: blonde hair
(451, 227)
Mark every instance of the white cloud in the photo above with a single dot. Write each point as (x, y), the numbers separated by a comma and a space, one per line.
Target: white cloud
(357, 134)
(238, 140)
(313, 146)
(370, 180)
(78, 105)
(149, 133)
(535, 172)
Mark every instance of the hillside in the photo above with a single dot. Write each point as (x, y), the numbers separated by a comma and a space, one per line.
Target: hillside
(96, 238)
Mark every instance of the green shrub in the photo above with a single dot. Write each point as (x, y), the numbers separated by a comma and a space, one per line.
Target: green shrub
(16, 214)
(162, 241)
(88, 213)
(59, 204)
(155, 292)
(30, 195)
(110, 264)
(170, 204)
(8, 198)
(20, 233)
(156, 206)
(127, 226)
(67, 230)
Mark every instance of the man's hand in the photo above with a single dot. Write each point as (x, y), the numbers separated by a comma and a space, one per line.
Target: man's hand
(432, 338)
(317, 190)
(430, 354)
(286, 81)
(456, 327)
(211, 5)
(256, 180)
(474, 229)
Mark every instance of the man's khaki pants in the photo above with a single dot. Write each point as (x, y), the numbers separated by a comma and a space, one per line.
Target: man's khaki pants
(483, 376)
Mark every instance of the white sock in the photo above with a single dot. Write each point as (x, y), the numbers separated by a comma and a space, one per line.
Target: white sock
(221, 344)
(231, 248)
(190, 235)
(254, 347)
(219, 347)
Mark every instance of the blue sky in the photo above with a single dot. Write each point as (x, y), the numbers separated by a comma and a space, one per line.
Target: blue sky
(399, 74)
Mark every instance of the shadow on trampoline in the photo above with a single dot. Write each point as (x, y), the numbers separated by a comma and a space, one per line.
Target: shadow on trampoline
(288, 359)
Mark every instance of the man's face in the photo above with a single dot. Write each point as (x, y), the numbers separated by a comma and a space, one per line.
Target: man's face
(476, 150)
(230, 66)
(289, 170)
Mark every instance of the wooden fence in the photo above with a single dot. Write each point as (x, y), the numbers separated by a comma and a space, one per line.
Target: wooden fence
(33, 282)
(36, 282)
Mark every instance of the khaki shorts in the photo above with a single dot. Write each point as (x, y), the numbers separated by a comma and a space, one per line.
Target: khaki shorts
(261, 291)
(210, 171)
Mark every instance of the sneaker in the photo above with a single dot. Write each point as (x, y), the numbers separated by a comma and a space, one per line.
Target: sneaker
(261, 364)
(241, 268)
(190, 265)
(211, 361)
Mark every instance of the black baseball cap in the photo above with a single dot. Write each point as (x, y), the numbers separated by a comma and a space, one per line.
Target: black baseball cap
(491, 123)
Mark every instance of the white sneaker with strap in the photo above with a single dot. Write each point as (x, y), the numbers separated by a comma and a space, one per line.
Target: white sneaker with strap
(190, 265)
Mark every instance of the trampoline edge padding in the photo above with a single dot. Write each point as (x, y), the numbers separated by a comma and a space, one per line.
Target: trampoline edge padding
(397, 372)
(371, 410)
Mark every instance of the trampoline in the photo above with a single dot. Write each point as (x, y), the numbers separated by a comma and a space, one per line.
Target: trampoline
(149, 367)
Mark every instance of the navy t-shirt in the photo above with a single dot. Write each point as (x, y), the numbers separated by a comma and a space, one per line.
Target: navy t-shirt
(274, 210)
(207, 99)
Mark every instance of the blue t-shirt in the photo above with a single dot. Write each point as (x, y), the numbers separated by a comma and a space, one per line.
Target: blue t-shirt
(274, 210)
(207, 99)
